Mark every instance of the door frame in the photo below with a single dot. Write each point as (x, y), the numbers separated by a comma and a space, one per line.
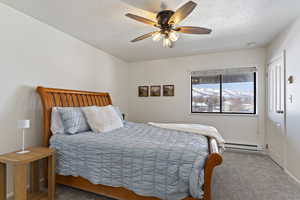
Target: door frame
(269, 62)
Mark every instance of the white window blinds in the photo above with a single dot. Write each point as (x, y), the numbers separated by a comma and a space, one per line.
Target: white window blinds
(224, 71)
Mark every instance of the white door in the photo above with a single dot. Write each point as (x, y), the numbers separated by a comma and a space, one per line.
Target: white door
(276, 110)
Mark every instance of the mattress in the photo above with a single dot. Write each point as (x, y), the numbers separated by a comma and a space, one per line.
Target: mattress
(148, 160)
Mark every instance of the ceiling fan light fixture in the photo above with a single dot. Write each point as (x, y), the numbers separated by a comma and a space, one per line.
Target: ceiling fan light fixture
(167, 21)
(167, 42)
(157, 36)
(173, 35)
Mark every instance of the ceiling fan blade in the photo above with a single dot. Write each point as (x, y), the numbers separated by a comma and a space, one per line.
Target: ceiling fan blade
(182, 12)
(141, 19)
(144, 36)
(193, 30)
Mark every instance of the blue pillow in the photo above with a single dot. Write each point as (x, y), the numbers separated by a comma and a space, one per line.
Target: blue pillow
(73, 120)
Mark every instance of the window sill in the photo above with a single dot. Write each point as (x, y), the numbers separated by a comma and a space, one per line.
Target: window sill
(224, 114)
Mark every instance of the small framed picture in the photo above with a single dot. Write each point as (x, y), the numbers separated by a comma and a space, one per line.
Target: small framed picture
(155, 90)
(143, 91)
(168, 90)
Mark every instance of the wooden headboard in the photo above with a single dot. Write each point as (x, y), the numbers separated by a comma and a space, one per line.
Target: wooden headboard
(53, 97)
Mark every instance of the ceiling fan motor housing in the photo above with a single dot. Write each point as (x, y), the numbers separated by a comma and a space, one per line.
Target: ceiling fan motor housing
(163, 18)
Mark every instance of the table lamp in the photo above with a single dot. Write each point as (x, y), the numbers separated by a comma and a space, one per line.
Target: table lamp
(23, 124)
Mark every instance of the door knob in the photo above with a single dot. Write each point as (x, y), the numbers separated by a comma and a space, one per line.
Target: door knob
(280, 111)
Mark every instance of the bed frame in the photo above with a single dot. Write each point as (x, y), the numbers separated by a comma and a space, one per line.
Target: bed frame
(66, 98)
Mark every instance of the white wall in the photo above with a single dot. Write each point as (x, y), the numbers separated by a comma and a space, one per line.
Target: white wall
(289, 40)
(240, 129)
(32, 54)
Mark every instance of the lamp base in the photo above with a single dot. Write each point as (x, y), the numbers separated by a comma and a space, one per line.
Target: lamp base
(23, 152)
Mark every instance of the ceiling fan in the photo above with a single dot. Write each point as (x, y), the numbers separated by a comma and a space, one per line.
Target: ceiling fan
(166, 21)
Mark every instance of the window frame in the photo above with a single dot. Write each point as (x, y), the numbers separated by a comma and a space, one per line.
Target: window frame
(221, 97)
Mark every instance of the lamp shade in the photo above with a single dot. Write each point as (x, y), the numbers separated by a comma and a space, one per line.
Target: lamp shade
(24, 123)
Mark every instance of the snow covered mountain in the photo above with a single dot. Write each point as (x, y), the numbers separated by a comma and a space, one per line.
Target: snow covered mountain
(208, 92)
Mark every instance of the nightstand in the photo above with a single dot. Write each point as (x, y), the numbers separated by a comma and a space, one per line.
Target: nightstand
(20, 164)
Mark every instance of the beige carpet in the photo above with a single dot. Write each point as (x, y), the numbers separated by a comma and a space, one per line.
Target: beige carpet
(242, 176)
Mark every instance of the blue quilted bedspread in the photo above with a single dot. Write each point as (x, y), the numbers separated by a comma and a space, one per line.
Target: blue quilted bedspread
(148, 160)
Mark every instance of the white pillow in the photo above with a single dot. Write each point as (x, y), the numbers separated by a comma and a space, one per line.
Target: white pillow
(57, 126)
(102, 119)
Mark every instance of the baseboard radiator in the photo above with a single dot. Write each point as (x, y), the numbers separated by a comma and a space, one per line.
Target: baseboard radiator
(243, 147)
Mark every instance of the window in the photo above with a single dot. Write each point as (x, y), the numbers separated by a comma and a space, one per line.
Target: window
(231, 91)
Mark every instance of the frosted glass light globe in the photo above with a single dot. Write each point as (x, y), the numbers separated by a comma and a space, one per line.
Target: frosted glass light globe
(167, 42)
(173, 36)
(156, 36)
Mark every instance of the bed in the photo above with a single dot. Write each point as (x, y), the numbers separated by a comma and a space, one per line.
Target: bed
(52, 97)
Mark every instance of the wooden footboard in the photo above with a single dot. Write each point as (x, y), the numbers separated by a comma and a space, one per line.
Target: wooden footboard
(214, 159)
(66, 98)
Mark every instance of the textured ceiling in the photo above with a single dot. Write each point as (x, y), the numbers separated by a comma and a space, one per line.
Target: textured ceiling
(102, 23)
